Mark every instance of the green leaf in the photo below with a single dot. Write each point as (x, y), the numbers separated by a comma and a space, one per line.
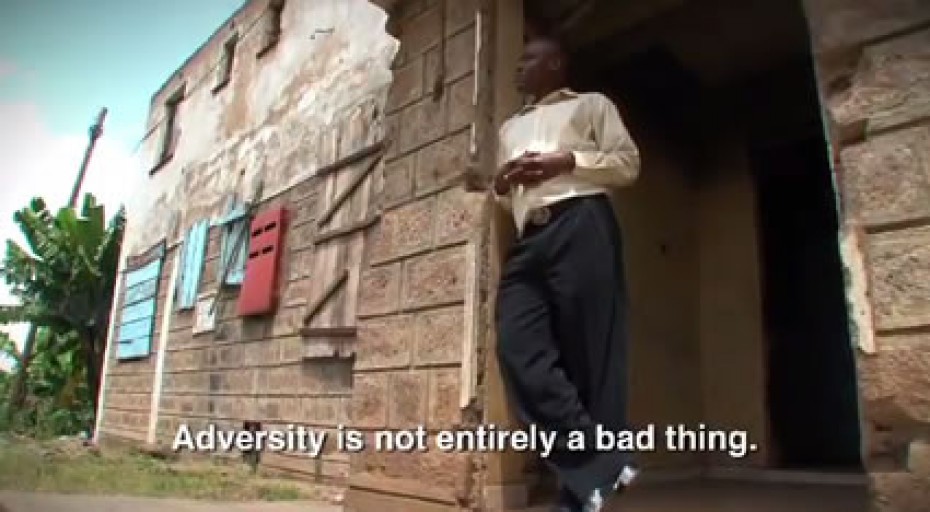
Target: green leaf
(13, 314)
(63, 279)
(8, 348)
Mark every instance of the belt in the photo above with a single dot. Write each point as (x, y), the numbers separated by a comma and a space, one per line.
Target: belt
(542, 216)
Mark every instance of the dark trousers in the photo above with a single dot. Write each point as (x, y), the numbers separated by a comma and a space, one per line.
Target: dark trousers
(562, 347)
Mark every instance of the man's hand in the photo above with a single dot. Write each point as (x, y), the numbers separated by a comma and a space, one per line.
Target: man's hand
(533, 168)
(538, 167)
(506, 177)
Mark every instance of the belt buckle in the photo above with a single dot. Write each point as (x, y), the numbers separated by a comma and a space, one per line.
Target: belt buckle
(540, 216)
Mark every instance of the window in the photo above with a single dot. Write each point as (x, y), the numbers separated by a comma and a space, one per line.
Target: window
(271, 26)
(192, 258)
(170, 131)
(225, 66)
(137, 317)
(205, 313)
(234, 245)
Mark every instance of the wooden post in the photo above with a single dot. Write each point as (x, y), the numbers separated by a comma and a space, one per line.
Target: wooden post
(506, 486)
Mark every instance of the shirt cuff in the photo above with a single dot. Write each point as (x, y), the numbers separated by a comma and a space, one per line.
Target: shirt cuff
(585, 159)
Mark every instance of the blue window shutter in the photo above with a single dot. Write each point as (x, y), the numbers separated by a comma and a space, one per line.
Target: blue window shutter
(137, 317)
(239, 239)
(146, 273)
(194, 251)
(234, 246)
(235, 212)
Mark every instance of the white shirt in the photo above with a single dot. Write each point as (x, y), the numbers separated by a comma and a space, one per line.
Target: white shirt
(588, 125)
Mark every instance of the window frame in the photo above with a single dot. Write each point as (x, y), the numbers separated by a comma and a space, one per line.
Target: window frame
(234, 227)
(171, 134)
(226, 63)
(136, 347)
(273, 18)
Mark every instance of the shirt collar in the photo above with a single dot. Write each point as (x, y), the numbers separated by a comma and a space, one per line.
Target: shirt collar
(556, 96)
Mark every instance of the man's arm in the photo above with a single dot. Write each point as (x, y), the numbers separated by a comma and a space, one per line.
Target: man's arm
(502, 197)
(616, 162)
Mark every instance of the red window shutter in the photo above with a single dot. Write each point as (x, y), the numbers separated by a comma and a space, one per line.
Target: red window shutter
(258, 295)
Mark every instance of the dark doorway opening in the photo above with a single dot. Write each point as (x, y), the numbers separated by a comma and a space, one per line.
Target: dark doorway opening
(812, 400)
(811, 387)
(680, 82)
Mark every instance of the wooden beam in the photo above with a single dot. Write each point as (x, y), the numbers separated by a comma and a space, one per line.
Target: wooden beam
(327, 294)
(352, 158)
(347, 192)
(405, 487)
(503, 468)
(347, 230)
(328, 332)
(469, 370)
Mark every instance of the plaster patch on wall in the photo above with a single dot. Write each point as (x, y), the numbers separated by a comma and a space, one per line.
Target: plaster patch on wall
(857, 296)
(306, 104)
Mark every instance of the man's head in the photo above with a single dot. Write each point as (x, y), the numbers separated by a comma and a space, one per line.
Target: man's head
(542, 67)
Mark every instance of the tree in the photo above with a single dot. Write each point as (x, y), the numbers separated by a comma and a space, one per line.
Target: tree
(65, 280)
(8, 350)
(53, 392)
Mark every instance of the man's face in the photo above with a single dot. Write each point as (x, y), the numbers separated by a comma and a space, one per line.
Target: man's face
(536, 66)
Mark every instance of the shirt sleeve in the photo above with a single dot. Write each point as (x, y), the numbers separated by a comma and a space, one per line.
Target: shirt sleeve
(504, 201)
(616, 161)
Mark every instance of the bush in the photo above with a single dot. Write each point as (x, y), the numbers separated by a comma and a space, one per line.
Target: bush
(57, 401)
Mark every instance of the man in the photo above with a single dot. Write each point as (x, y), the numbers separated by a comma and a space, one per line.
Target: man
(561, 313)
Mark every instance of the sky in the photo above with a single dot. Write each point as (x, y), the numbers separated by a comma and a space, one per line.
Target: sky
(61, 61)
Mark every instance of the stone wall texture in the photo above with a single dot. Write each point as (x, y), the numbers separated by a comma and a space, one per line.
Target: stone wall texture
(412, 309)
(872, 57)
(127, 393)
(315, 97)
(344, 77)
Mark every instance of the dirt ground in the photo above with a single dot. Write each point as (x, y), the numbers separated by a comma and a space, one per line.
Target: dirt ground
(11, 501)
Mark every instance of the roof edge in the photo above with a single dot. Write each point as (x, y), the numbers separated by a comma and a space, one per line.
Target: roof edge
(174, 74)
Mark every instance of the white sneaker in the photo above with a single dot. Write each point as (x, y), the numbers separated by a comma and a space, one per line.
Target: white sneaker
(595, 502)
(598, 499)
(626, 477)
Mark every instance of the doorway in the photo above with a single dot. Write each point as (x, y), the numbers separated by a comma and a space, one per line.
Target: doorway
(812, 400)
(732, 229)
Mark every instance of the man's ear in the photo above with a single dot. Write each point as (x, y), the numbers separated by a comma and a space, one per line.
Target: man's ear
(555, 64)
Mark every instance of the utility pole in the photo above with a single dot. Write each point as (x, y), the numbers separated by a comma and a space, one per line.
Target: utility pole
(94, 133)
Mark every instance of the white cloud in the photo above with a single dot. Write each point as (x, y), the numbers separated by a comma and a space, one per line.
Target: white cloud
(36, 162)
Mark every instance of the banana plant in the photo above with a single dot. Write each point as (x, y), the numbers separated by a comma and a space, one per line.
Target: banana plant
(63, 279)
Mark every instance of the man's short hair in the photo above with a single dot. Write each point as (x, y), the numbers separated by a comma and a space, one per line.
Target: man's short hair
(540, 26)
(544, 31)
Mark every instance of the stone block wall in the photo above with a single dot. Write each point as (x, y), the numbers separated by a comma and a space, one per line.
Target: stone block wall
(414, 296)
(246, 369)
(254, 369)
(287, 113)
(872, 58)
(284, 112)
(127, 393)
(412, 289)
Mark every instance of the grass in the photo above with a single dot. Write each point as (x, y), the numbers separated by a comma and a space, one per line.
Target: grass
(52, 467)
